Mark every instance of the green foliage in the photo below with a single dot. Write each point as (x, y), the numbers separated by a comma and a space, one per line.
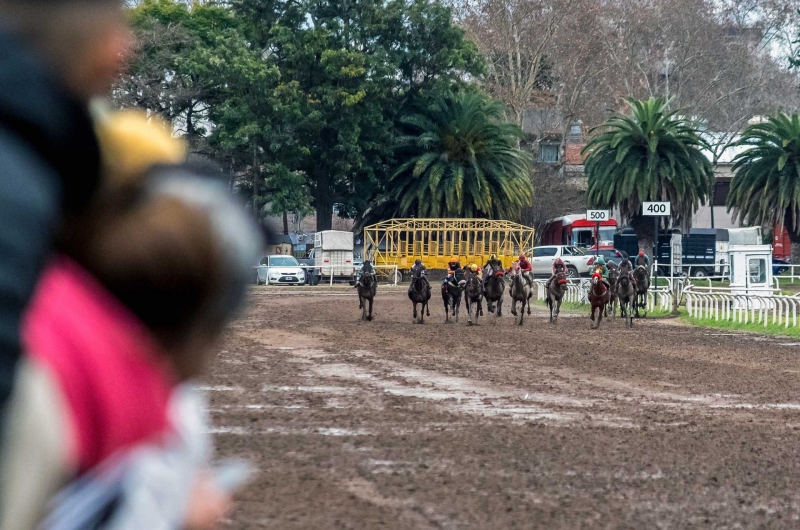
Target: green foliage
(650, 155)
(305, 89)
(461, 159)
(766, 187)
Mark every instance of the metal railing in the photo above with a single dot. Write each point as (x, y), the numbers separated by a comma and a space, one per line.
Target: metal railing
(722, 304)
(578, 293)
(393, 275)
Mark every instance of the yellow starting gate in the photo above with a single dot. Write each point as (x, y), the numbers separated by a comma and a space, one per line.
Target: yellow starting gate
(402, 241)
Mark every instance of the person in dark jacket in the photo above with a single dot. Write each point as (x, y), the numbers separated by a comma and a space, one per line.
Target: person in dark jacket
(55, 55)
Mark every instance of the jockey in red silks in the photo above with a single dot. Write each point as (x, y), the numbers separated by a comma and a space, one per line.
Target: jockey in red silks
(558, 266)
(525, 268)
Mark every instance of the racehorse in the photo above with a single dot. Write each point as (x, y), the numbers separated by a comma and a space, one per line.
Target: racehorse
(367, 287)
(494, 291)
(555, 294)
(642, 285)
(613, 279)
(626, 294)
(451, 296)
(420, 293)
(599, 296)
(520, 292)
(473, 294)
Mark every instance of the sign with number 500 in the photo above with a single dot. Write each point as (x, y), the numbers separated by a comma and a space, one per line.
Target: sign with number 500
(657, 208)
(597, 215)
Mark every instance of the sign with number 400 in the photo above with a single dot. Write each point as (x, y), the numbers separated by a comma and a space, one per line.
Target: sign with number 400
(597, 215)
(657, 208)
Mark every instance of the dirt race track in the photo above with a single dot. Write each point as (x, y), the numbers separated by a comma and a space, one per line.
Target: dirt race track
(394, 425)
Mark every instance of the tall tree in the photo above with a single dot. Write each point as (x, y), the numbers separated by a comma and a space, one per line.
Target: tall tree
(650, 155)
(765, 190)
(356, 64)
(462, 160)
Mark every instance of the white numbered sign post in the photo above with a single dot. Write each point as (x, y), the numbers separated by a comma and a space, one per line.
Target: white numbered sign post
(656, 210)
(597, 216)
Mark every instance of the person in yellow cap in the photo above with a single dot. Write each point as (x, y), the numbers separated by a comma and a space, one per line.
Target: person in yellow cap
(453, 266)
(492, 266)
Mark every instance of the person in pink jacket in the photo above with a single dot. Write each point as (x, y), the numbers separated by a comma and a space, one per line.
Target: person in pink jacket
(123, 318)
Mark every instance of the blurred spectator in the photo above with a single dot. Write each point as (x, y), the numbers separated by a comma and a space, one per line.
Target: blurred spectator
(54, 56)
(132, 309)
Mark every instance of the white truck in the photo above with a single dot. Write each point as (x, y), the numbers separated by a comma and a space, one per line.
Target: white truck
(333, 256)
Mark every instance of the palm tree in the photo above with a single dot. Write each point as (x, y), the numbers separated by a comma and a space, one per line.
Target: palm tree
(650, 155)
(765, 189)
(461, 160)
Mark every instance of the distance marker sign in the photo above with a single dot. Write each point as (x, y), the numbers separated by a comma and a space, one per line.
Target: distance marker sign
(657, 209)
(598, 215)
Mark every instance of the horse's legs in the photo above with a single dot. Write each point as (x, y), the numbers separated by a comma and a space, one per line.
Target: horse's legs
(514, 306)
(362, 307)
(446, 299)
(530, 295)
(500, 307)
(427, 308)
(415, 310)
(558, 310)
(370, 310)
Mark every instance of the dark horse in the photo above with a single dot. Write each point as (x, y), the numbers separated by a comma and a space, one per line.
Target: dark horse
(473, 296)
(451, 296)
(626, 294)
(367, 289)
(613, 281)
(642, 285)
(555, 295)
(520, 291)
(494, 291)
(420, 293)
(599, 296)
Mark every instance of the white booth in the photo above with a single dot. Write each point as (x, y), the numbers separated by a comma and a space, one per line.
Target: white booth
(751, 271)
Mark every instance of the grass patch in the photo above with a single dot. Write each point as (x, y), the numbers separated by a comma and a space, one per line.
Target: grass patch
(770, 329)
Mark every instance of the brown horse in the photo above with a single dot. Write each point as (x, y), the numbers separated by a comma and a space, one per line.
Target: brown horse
(613, 279)
(599, 296)
(627, 298)
(555, 295)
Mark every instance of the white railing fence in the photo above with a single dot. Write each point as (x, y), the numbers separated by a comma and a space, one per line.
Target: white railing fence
(578, 293)
(389, 272)
(721, 304)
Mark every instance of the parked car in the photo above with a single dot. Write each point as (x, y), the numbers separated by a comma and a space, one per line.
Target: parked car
(577, 262)
(280, 269)
(779, 266)
(608, 254)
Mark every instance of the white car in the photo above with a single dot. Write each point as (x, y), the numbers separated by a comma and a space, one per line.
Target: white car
(577, 262)
(281, 270)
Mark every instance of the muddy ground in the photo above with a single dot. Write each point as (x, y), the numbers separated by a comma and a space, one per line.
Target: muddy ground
(394, 425)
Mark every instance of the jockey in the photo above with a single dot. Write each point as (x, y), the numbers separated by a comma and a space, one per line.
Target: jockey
(452, 267)
(558, 266)
(625, 267)
(611, 265)
(476, 270)
(600, 265)
(366, 268)
(492, 266)
(643, 260)
(525, 268)
(418, 271)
